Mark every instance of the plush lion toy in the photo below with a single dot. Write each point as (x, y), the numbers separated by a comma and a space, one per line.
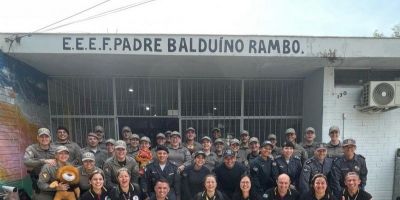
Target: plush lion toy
(67, 175)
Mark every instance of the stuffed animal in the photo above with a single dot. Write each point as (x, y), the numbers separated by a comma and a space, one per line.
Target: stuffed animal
(144, 156)
(67, 175)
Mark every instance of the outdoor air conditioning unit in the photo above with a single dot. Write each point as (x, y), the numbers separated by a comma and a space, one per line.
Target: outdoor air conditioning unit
(380, 96)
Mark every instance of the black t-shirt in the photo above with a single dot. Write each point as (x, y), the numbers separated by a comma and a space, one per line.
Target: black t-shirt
(360, 195)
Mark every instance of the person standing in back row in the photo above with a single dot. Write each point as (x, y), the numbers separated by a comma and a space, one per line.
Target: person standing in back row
(334, 146)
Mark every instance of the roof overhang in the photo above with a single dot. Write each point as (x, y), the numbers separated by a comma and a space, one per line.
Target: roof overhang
(195, 55)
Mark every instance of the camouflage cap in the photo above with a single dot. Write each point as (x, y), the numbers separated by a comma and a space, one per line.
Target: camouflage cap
(45, 131)
(88, 156)
(176, 133)
(234, 141)
(62, 148)
(308, 129)
(160, 135)
(134, 136)
(271, 136)
(112, 141)
(145, 138)
(254, 139)
(120, 144)
(219, 140)
(190, 129)
(197, 153)
(267, 143)
(206, 138)
(334, 128)
(290, 130)
(320, 146)
(98, 128)
(244, 132)
(348, 142)
(126, 128)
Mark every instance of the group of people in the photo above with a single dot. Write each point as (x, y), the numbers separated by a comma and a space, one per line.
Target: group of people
(213, 168)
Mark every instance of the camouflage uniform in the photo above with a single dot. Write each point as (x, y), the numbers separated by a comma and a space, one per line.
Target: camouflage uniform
(75, 151)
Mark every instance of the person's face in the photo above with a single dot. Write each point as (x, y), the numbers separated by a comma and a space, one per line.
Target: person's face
(44, 139)
(62, 156)
(124, 178)
(229, 161)
(320, 154)
(235, 147)
(320, 185)
(349, 150)
(283, 183)
(265, 151)
(93, 141)
(162, 156)
(352, 182)
(245, 184)
(219, 146)
(216, 134)
(199, 160)
(144, 145)
(161, 190)
(97, 181)
(134, 142)
(287, 152)
(110, 147)
(210, 183)
(206, 144)
(244, 138)
(62, 135)
(291, 137)
(161, 141)
(310, 136)
(175, 140)
(100, 134)
(120, 153)
(273, 141)
(126, 134)
(334, 135)
(190, 135)
(254, 146)
(88, 164)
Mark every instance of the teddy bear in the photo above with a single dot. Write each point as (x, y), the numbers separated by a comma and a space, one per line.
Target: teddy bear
(67, 175)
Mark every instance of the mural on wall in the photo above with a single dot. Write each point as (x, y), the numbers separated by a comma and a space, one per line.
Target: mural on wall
(23, 109)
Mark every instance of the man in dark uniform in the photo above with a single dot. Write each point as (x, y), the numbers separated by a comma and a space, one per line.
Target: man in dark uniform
(229, 173)
(289, 164)
(349, 162)
(162, 169)
(263, 169)
(308, 143)
(318, 164)
(36, 155)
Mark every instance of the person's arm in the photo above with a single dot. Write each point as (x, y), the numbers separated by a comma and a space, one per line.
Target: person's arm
(107, 168)
(177, 185)
(185, 185)
(335, 181)
(304, 180)
(255, 174)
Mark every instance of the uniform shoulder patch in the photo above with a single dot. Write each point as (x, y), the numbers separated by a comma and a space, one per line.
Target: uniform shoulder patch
(296, 157)
(309, 161)
(306, 168)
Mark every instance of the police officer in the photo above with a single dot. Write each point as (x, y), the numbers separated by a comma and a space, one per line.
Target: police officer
(254, 146)
(244, 140)
(88, 166)
(308, 143)
(36, 155)
(110, 143)
(118, 161)
(289, 164)
(318, 164)
(193, 176)
(334, 146)
(63, 138)
(93, 146)
(211, 158)
(178, 154)
(276, 151)
(48, 175)
(299, 151)
(99, 130)
(162, 168)
(133, 147)
(349, 162)
(190, 140)
(126, 133)
(263, 169)
(241, 154)
(219, 147)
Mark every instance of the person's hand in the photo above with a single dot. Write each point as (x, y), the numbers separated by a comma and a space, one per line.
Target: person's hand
(62, 187)
(51, 162)
(181, 168)
(292, 187)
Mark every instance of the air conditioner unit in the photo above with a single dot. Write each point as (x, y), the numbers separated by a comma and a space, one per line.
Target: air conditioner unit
(380, 96)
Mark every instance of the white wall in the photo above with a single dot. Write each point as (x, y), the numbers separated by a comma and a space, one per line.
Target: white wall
(377, 135)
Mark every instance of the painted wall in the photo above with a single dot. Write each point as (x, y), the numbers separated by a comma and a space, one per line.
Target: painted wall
(23, 108)
(377, 135)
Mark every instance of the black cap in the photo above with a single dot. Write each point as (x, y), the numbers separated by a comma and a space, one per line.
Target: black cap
(288, 144)
(162, 148)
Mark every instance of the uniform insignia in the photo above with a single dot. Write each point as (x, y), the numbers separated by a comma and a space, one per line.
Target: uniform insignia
(356, 168)
(45, 175)
(274, 164)
(306, 168)
(135, 198)
(255, 169)
(308, 162)
(265, 196)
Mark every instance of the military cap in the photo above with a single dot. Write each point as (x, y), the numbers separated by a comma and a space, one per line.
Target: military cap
(334, 128)
(229, 153)
(134, 136)
(267, 143)
(197, 153)
(176, 133)
(160, 135)
(206, 138)
(62, 148)
(190, 129)
(290, 130)
(98, 128)
(244, 132)
(126, 128)
(145, 138)
(88, 156)
(112, 141)
(219, 140)
(42, 131)
(320, 146)
(120, 144)
(348, 142)
(271, 136)
(253, 139)
(234, 141)
(310, 129)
